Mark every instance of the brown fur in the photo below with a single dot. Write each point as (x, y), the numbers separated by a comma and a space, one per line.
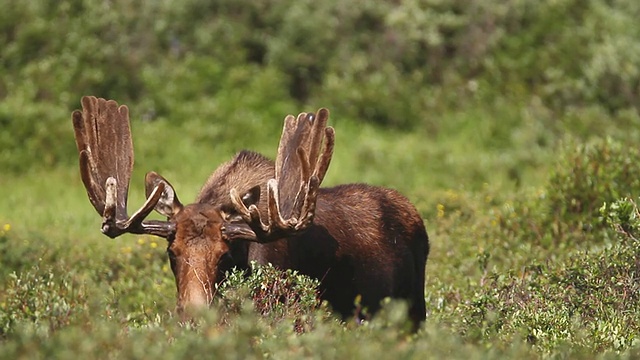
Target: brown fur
(246, 170)
(365, 240)
(194, 257)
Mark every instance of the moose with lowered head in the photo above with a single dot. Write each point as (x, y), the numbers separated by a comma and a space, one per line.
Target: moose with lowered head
(358, 240)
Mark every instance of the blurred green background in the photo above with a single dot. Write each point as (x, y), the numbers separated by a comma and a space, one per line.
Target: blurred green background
(508, 123)
(508, 78)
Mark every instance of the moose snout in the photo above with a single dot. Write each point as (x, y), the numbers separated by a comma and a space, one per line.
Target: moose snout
(194, 298)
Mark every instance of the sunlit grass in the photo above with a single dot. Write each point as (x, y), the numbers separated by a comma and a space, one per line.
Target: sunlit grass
(483, 206)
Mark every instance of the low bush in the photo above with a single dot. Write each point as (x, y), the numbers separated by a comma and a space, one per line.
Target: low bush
(588, 300)
(48, 299)
(585, 177)
(276, 295)
(566, 210)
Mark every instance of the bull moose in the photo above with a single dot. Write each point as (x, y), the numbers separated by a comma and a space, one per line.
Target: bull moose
(357, 239)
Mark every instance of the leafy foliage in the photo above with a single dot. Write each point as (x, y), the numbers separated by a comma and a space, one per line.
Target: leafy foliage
(385, 63)
(512, 126)
(623, 216)
(277, 295)
(47, 299)
(587, 176)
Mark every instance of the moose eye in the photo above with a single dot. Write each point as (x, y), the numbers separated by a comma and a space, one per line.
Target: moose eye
(229, 215)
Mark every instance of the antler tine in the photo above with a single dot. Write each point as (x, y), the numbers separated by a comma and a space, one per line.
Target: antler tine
(301, 165)
(103, 138)
(317, 129)
(105, 146)
(309, 204)
(319, 160)
(87, 171)
(125, 162)
(288, 129)
(293, 154)
(273, 213)
(135, 225)
(276, 228)
(322, 165)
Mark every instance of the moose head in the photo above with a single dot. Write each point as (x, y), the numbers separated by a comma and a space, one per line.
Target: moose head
(200, 234)
(361, 241)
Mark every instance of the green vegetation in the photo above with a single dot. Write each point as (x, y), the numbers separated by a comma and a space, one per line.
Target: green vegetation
(513, 127)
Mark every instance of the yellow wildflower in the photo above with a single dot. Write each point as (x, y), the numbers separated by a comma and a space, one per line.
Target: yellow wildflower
(452, 195)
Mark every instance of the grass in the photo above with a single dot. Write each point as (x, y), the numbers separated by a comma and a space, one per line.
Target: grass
(504, 278)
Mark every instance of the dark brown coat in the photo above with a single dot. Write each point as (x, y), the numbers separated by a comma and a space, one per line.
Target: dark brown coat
(358, 240)
(365, 240)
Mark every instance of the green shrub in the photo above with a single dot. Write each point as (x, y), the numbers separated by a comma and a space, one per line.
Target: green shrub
(276, 295)
(622, 216)
(566, 211)
(30, 136)
(587, 301)
(579, 294)
(585, 177)
(49, 299)
(522, 264)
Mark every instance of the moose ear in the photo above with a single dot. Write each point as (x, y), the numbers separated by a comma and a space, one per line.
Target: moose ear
(169, 204)
(252, 196)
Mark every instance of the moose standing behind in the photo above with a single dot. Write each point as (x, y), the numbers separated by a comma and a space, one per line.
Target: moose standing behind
(358, 240)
